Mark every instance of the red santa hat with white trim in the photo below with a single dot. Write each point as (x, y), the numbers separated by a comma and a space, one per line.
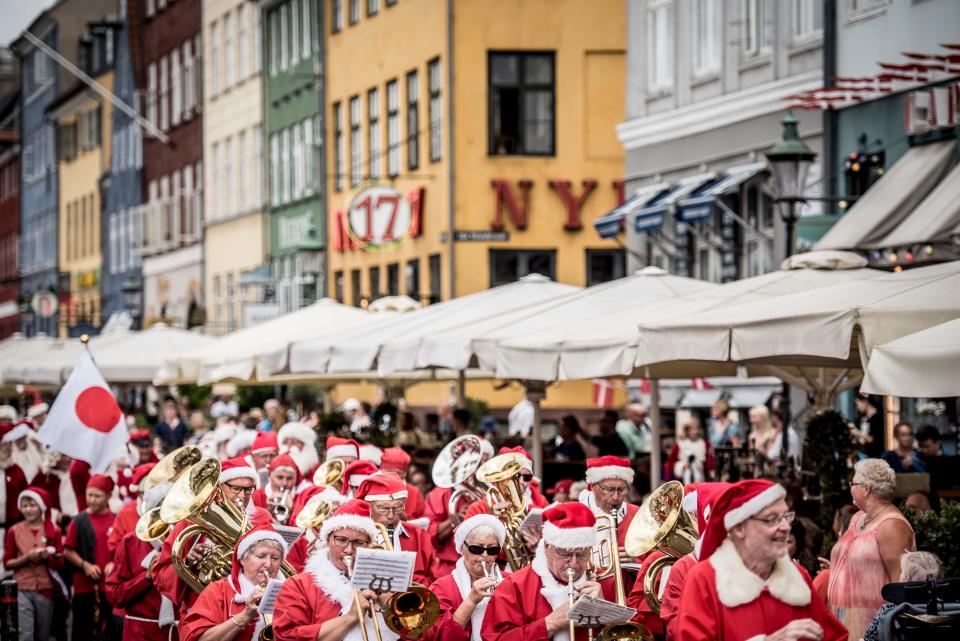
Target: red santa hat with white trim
(396, 460)
(285, 462)
(353, 515)
(259, 534)
(700, 500)
(371, 453)
(42, 498)
(16, 432)
(337, 447)
(609, 467)
(569, 526)
(356, 473)
(265, 442)
(738, 503)
(528, 464)
(382, 487)
(237, 468)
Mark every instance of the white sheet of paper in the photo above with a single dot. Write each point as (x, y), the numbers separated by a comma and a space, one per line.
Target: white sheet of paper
(588, 612)
(269, 599)
(288, 532)
(383, 571)
(534, 521)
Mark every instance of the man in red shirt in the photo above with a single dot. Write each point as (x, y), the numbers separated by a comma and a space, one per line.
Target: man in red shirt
(85, 547)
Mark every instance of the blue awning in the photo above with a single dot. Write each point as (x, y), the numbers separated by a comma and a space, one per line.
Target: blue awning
(700, 204)
(611, 223)
(651, 217)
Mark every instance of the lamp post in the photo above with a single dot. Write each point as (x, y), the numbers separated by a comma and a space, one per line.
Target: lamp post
(790, 160)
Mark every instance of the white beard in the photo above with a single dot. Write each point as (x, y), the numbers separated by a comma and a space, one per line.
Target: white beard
(30, 459)
(306, 459)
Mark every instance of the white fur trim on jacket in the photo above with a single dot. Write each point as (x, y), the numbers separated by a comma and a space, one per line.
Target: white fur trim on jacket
(260, 537)
(241, 472)
(298, 431)
(736, 585)
(462, 533)
(597, 474)
(552, 590)
(569, 538)
(349, 521)
(386, 497)
(753, 506)
(465, 584)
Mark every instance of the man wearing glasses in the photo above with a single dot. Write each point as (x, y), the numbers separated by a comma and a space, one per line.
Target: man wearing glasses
(238, 480)
(746, 586)
(608, 485)
(319, 602)
(387, 496)
(533, 603)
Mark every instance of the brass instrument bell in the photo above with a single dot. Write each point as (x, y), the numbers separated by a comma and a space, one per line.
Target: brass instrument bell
(172, 466)
(150, 527)
(502, 475)
(329, 473)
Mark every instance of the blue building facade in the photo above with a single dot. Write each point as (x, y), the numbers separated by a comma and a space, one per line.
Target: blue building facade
(123, 189)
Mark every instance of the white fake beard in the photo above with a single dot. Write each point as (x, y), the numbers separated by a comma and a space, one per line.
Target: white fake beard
(306, 459)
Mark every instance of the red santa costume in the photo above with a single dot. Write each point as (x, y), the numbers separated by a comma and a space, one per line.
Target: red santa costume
(225, 599)
(56, 481)
(521, 603)
(453, 589)
(355, 474)
(129, 514)
(396, 461)
(15, 481)
(723, 600)
(323, 592)
(262, 496)
(300, 442)
(610, 467)
(406, 536)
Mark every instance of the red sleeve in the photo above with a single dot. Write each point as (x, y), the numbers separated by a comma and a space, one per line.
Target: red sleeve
(436, 510)
(297, 557)
(820, 584)
(294, 618)
(208, 612)
(477, 507)
(259, 498)
(71, 539)
(670, 603)
(415, 505)
(9, 546)
(503, 620)
(446, 628)
(699, 606)
(126, 583)
(56, 563)
(833, 630)
(165, 575)
(426, 557)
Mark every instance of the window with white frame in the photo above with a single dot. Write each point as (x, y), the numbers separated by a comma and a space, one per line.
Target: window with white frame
(242, 170)
(309, 157)
(215, 204)
(164, 94)
(434, 108)
(228, 52)
(354, 11)
(295, 31)
(373, 131)
(336, 15)
(759, 24)
(284, 34)
(230, 182)
(176, 222)
(274, 169)
(373, 7)
(256, 40)
(339, 147)
(296, 136)
(176, 83)
(393, 128)
(152, 94)
(242, 62)
(356, 155)
(308, 29)
(215, 77)
(708, 27)
(807, 19)
(273, 22)
(258, 165)
(285, 179)
(189, 81)
(660, 41)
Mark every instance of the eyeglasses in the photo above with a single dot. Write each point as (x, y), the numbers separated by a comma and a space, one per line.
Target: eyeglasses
(775, 519)
(566, 557)
(613, 490)
(342, 542)
(491, 550)
(386, 509)
(526, 477)
(236, 489)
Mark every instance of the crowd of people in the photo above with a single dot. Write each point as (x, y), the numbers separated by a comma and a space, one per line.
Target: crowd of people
(72, 546)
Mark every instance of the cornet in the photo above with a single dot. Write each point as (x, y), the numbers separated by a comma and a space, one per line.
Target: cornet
(281, 511)
(492, 573)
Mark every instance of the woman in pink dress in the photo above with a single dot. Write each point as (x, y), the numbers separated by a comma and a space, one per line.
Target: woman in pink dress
(867, 557)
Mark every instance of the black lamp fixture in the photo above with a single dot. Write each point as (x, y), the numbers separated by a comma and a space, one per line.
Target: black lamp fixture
(790, 162)
(132, 289)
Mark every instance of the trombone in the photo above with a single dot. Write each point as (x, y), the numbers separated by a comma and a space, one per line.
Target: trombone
(606, 558)
(408, 614)
(361, 614)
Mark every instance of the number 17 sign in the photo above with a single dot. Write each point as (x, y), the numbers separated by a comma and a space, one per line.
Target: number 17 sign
(381, 217)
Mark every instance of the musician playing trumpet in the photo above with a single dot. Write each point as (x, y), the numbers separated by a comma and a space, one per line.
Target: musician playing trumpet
(533, 603)
(320, 604)
(608, 486)
(282, 481)
(227, 610)
(464, 595)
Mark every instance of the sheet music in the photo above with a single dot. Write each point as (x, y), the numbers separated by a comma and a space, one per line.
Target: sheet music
(269, 599)
(534, 521)
(383, 571)
(588, 611)
(288, 532)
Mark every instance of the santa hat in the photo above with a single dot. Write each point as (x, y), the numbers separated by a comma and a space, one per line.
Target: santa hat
(382, 487)
(140, 472)
(702, 499)
(737, 504)
(297, 431)
(609, 467)
(264, 442)
(371, 453)
(259, 534)
(314, 494)
(37, 409)
(528, 463)
(569, 526)
(237, 468)
(101, 482)
(8, 413)
(356, 473)
(337, 447)
(39, 495)
(395, 460)
(354, 515)
(242, 440)
(16, 432)
(463, 531)
(562, 486)
(140, 437)
(285, 462)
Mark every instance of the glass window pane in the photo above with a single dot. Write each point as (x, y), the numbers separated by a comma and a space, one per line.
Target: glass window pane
(538, 69)
(504, 69)
(538, 122)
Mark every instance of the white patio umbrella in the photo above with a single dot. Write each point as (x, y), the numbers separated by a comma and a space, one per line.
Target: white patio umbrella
(253, 353)
(922, 364)
(17, 350)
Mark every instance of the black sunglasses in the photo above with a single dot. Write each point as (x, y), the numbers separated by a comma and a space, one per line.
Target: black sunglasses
(527, 477)
(493, 550)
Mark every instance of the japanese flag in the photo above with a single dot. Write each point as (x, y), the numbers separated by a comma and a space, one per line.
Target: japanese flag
(85, 420)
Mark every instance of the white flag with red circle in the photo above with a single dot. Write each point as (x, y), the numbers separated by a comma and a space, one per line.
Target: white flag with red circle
(85, 420)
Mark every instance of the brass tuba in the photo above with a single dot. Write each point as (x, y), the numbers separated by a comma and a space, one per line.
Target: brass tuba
(661, 524)
(150, 527)
(408, 614)
(502, 475)
(455, 467)
(329, 473)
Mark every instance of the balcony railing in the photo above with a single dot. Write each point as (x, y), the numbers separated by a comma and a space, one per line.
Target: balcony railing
(165, 225)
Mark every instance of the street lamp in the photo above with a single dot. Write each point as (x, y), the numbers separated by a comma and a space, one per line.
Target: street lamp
(132, 289)
(790, 161)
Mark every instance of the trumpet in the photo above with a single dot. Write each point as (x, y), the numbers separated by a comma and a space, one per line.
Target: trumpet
(281, 511)
(266, 634)
(348, 561)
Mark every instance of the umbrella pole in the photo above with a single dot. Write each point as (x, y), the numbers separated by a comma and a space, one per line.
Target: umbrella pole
(536, 392)
(461, 388)
(655, 429)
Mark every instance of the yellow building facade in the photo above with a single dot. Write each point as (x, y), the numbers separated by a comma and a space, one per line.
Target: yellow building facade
(84, 126)
(494, 128)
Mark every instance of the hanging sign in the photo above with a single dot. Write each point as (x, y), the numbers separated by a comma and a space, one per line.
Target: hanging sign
(379, 217)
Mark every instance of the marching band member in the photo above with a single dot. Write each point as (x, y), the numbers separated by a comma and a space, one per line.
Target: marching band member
(345, 449)
(355, 474)
(441, 521)
(395, 461)
(53, 477)
(284, 477)
(129, 514)
(305, 543)
(608, 486)
(746, 586)
(142, 445)
(531, 491)
(130, 586)
(464, 594)
(320, 604)
(263, 450)
(300, 442)
(14, 480)
(532, 604)
(387, 497)
(227, 609)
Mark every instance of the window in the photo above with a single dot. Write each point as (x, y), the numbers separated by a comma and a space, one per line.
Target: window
(307, 29)
(297, 161)
(152, 94)
(228, 52)
(435, 113)
(412, 274)
(68, 141)
(338, 286)
(393, 279)
(285, 178)
(413, 121)
(257, 166)
(215, 202)
(373, 7)
(217, 303)
(164, 94)
(257, 43)
(522, 96)
(215, 77)
(373, 132)
(374, 283)
(393, 128)
(356, 162)
(230, 182)
(273, 22)
(274, 169)
(759, 22)
(857, 9)
(284, 31)
(338, 146)
(189, 81)
(242, 42)
(807, 19)
(309, 163)
(176, 82)
(660, 41)
(150, 8)
(355, 287)
(354, 11)
(604, 265)
(336, 19)
(508, 265)
(707, 36)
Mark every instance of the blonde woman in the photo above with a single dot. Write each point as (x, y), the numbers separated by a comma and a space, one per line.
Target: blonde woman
(762, 431)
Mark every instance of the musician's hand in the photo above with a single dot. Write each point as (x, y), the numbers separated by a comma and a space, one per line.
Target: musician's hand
(92, 570)
(481, 589)
(824, 563)
(153, 564)
(626, 558)
(501, 506)
(799, 630)
(198, 551)
(107, 571)
(367, 600)
(591, 589)
(557, 620)
(530, 539)
(253, 602)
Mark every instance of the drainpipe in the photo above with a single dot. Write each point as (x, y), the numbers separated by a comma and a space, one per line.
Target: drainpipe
(829, 158)
(451, 161)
